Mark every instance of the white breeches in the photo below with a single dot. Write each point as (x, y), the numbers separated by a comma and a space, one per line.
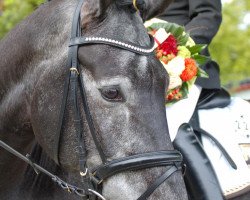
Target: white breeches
(182, 111)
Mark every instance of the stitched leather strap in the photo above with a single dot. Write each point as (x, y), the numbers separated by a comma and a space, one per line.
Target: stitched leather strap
(200, 177)
(139, 161)
(90, 120)
(72, 62)
(158, 182)
(224, 152)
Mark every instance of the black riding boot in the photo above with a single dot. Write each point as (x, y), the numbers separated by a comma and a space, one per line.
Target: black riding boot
(200, 178)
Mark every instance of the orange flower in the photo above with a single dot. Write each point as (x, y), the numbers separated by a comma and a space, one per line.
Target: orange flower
(190, 70)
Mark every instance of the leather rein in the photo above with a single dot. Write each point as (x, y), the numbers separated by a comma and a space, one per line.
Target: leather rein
(92, 180)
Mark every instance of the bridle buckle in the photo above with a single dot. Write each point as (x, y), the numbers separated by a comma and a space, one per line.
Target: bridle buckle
(74, 69)
(135, 5)
(84, 173)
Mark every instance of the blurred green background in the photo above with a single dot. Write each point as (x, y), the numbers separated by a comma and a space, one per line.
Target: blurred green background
(230, 47)
(12, 11)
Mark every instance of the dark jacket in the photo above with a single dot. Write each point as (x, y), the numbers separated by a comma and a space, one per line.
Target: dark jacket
(202, 19)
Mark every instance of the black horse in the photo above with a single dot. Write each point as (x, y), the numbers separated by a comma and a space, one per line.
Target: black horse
(125, 99)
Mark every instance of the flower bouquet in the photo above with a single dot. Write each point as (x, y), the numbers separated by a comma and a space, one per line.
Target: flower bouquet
(179, 55)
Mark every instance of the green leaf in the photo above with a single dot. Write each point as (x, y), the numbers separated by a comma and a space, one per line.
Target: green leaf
(184, 89)
(183, 40)
(176, 30)
(196, 48)
(202, 73)
(201, 59)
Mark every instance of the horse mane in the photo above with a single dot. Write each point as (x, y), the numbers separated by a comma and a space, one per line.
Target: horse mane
(39, 185)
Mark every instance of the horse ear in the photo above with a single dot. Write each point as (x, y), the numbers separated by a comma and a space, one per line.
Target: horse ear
(153, 8)
(92, 11)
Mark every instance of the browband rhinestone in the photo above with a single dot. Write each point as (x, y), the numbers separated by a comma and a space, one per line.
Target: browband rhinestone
(116, 42)
(112, 42)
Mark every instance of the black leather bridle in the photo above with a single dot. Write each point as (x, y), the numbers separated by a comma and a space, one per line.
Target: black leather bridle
(92, 180)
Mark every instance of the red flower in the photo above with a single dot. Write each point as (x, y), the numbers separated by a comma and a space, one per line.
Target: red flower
(169, 46)
(190, 70)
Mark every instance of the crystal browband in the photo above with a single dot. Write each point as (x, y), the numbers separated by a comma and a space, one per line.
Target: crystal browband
(112, 42)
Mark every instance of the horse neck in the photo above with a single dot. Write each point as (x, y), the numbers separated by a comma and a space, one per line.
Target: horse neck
(34, 44)
(12, 170)
(14, 52)
(26, 52)
(33, 186)
(30, 49)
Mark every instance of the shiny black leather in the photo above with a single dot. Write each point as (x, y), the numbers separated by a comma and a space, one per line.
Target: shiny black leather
(200, 178)
(213, 99)
(138, 161)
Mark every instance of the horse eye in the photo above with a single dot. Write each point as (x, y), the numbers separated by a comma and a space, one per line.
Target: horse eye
(111, 94)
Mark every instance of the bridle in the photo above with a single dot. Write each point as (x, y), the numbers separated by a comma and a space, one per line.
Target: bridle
(92, 180)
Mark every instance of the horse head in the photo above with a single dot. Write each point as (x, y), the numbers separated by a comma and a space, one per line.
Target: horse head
(124, 92)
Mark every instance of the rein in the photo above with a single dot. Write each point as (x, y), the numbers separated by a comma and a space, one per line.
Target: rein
(38, 169)
(92, 180)
(140, 161)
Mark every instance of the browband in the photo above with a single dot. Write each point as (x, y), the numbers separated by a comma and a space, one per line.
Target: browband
(78, 41)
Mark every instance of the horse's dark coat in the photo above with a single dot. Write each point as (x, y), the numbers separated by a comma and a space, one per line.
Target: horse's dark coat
(33, 67)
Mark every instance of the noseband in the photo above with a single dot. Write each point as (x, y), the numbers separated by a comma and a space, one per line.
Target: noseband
(92, 180)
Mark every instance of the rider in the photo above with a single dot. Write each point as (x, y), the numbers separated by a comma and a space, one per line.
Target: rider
(201, 19)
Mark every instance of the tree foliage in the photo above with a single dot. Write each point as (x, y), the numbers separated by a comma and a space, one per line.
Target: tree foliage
(12, 11)
(230, 48)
